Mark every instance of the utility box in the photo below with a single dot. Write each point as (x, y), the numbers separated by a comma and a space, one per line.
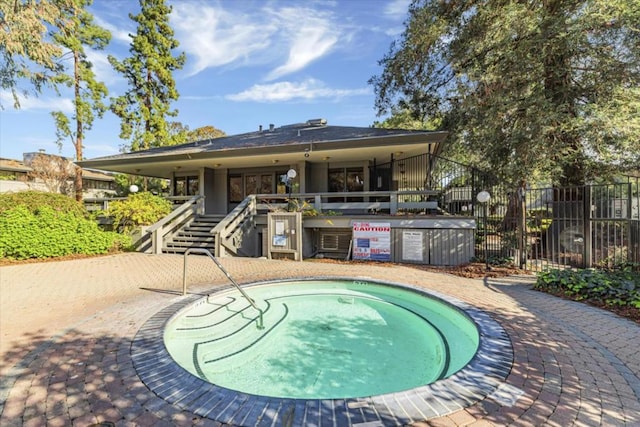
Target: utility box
(284, 235)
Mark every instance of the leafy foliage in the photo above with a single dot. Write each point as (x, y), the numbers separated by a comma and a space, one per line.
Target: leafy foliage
(620, 287)
(144, 108)
(531, 90)
(43, 225)
(34, 200)
(25, 51)
(139, 209)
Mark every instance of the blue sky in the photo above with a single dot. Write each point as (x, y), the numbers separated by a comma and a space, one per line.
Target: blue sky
(249, 63)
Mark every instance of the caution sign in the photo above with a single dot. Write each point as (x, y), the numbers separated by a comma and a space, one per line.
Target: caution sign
(372, 241)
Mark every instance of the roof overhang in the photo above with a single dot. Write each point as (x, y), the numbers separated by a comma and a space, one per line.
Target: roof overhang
(163, 163)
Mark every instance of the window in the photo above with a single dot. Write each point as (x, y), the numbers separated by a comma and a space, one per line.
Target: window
(345, 179)
(235, 189)
(250, 184)
(266, 184)
(93, 184)
(186, 186)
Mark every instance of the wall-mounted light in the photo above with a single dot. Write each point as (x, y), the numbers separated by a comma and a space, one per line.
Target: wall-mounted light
(326, 158)
(274, 161)
(216, 165)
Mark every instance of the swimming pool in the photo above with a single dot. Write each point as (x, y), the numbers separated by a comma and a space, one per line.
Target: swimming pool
(355, 350)
(322, 339)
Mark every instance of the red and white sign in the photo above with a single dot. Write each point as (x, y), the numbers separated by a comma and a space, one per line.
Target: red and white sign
(372, 241)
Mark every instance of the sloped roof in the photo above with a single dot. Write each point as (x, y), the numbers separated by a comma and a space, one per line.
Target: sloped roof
(312, 136)
(13, 165)
(290, 135)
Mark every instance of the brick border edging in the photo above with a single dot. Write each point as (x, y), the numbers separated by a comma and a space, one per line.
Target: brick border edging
(487, 370)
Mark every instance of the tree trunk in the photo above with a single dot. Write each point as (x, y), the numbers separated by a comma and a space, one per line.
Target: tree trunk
(77, 182)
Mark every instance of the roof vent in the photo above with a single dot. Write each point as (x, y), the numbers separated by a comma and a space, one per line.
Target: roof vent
(317, 122)
(260, 128)
(271, 127)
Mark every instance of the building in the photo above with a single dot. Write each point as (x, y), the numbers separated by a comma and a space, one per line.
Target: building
(51, 173)
(361, 174)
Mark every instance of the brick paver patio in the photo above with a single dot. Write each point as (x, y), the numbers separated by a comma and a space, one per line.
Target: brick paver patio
(66, 330)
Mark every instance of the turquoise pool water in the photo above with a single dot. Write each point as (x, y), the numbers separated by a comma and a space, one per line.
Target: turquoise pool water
(323, 339)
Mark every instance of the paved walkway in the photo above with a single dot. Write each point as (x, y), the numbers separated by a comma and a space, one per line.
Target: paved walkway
(66, 329)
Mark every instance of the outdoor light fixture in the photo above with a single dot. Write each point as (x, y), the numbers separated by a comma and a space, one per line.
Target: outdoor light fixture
(133, 189)
(291, 174)
(483, 197)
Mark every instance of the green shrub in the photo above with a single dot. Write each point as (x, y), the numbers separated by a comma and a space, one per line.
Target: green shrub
(34, 200)
(612, 287)
(48, 232)
(138, 209)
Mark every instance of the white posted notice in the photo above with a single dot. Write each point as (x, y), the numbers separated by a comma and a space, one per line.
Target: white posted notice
(412, 246)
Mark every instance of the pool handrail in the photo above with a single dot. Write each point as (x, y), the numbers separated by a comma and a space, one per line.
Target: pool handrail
(224, 270)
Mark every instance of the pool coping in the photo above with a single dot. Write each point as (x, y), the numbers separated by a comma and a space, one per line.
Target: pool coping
(481, 377)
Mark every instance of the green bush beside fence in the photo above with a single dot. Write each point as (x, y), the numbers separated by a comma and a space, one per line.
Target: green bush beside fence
(620, 287)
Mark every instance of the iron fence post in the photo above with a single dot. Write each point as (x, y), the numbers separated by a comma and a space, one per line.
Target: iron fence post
(587, 252)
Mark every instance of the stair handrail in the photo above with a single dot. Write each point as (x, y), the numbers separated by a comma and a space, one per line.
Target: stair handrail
(190, 208)
(224, 270)
(231, 223)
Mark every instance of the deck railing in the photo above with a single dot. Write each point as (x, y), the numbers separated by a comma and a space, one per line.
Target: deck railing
(178, 218)
(365, 202)
(229, 232)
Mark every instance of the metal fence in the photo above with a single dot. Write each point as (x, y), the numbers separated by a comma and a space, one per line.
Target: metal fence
(538, 228)
(577, 227)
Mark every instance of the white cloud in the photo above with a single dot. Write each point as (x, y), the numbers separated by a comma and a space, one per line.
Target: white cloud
(117, 34)
(397, 9)
(99, 149)
(38, 103)
(287, 91)
(294, 37)
(214, 37)
(101, 67)
(310, 35)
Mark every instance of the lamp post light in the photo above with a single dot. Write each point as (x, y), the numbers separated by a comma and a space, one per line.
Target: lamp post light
(133, 188)
(291, 174)
(483, 197)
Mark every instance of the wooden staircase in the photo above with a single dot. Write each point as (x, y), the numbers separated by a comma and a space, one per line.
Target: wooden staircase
(196, 234)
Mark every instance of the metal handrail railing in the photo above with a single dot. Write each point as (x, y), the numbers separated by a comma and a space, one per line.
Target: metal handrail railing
(244, 294)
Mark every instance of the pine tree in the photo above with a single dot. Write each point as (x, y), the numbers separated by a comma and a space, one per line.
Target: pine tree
(79, 31)
(531, 90)
(25, 51)
(145, 106)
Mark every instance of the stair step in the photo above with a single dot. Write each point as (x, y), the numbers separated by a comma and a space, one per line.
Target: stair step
(195, 235)
(190, 244)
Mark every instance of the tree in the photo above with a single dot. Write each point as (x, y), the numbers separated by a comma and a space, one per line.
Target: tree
(25, 51)
(145, 106)
(53, 171)
(204, 132)
(181, 133)
(80, 31)
(531, 90)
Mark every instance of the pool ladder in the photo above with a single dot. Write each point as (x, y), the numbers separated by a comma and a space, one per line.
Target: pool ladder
(244, 294)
